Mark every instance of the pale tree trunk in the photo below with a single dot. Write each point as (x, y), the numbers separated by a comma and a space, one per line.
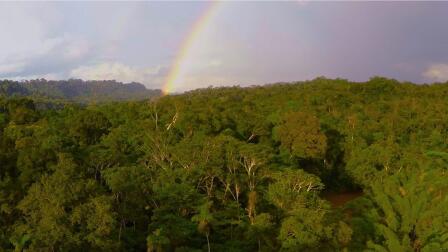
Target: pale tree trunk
(208, 242)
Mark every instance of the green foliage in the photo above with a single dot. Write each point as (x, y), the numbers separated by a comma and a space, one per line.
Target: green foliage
(88, 126)
(225, 169)
(300, 134)
(77, 90)
(411, 206)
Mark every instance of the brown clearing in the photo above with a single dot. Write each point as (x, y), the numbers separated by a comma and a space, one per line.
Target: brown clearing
(338, 199)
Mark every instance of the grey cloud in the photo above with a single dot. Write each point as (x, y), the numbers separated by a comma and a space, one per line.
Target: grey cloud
(64, 54)
(152, 77)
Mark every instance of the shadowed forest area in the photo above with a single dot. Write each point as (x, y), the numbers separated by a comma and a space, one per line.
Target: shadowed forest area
(321, 165)
(77, 90)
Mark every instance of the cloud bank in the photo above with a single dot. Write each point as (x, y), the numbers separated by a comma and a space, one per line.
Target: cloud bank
(120, 72)
(437, 72)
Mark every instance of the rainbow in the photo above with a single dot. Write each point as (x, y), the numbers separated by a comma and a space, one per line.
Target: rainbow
(177, 68)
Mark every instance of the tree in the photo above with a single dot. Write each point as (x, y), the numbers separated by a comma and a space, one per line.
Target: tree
(294, 192)
(411, 207)
(204, 218)
(299, 133)
(57, 213)
(88, 126)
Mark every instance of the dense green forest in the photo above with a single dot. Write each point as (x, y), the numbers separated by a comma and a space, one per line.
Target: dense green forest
(230, 169)
(77, 90)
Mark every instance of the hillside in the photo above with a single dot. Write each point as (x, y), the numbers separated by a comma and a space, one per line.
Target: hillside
(78, 90)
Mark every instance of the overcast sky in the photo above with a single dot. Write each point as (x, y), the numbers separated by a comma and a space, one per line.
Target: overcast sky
(243, 43)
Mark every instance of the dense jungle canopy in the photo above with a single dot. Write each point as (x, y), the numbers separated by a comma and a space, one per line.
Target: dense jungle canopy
(230, 169)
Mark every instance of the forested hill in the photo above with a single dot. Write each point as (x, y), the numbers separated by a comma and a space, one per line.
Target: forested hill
(230, 169)
(78, 90)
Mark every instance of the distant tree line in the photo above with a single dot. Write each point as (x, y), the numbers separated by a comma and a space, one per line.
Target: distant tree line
(77, 90)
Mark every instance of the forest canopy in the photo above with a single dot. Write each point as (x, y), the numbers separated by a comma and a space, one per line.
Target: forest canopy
(230, 169)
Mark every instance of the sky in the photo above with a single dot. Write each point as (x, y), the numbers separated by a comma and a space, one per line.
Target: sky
(180, 46)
